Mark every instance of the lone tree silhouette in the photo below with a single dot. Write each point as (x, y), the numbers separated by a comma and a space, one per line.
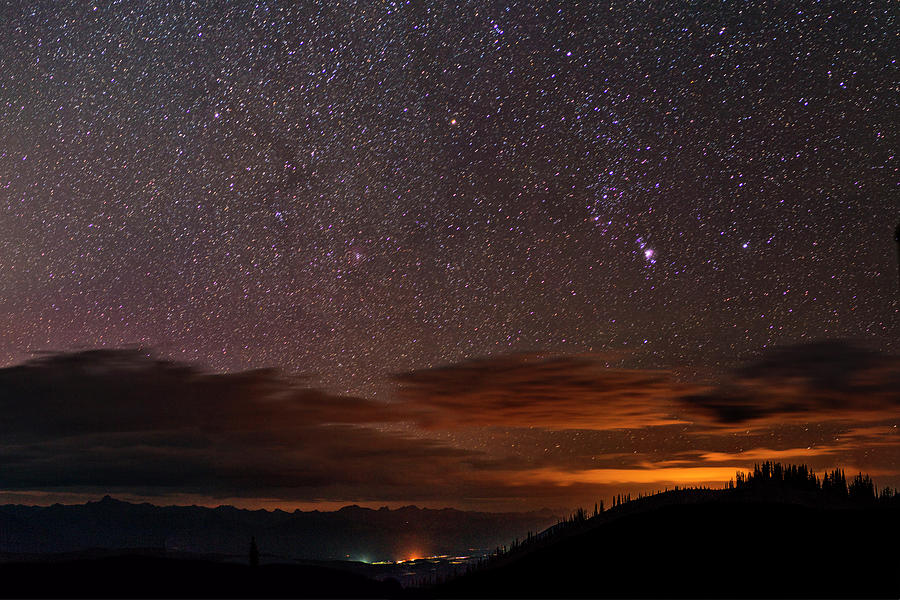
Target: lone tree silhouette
(254, 553)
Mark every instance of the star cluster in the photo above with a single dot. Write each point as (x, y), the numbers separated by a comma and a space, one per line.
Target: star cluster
(356, 189)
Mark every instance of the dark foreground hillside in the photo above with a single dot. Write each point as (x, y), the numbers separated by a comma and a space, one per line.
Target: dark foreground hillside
(707, 549)
(157, 577)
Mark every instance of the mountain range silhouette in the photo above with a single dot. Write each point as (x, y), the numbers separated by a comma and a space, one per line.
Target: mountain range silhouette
(352, 532)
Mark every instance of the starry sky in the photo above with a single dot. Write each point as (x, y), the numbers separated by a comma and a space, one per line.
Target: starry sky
(470, 229)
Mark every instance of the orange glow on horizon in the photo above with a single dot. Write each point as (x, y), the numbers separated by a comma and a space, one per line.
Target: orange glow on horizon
(675, 475)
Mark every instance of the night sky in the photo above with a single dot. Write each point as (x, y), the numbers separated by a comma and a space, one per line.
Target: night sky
(499, 254)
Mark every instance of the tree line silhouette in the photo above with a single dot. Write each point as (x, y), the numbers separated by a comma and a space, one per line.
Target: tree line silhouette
(833, 485)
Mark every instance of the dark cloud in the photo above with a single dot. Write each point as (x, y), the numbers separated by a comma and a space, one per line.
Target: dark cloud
(572, 392)
(121, 419)
(815, 381)
(107, 391)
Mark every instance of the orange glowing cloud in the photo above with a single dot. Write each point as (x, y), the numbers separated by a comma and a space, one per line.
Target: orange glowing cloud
(761, 454)
(573, 392)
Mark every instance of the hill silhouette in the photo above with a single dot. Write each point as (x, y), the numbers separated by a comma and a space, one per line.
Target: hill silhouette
(780, 532)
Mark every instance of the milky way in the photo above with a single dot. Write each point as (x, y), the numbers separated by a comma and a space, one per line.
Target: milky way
(357, 189)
